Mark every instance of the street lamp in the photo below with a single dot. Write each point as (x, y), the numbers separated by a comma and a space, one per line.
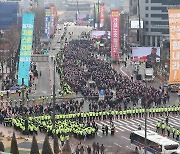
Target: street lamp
(54, 96)
(145, 122)
(98, 16)
(139, 16)
(23, 88)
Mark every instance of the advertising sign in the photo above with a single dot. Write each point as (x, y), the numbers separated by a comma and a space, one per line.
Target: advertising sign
(98, 34)
(101, 15)
(151, 54)
(26, 48)
(135, 24)
(52, 18)
(47, 22)
(174, 25)
(115, 32)
(82, 17)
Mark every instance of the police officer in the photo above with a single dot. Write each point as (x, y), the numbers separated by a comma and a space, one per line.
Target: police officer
(173, 131)
(177, 134)
(103, 129)
(106, 128)
(112, 129)
(163, 127)
(168, 130)
(158, 125)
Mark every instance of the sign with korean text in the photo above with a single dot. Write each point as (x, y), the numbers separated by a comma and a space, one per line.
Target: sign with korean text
(47, 22)
(174, 28)
(115, 32)
(101, 15)
(26, 48)
(52, 18)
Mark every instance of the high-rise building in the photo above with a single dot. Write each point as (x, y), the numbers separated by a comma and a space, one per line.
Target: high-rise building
(154, 14)
(8, 14)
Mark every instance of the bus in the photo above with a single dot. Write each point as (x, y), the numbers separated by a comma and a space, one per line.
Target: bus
(156, 144)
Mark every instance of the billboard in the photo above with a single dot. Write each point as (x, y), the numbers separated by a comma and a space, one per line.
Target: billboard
(47, 22)
(52, 19)
(98, 34)
(101, 15)
(82, 17)
(135, 24)
(150, 54)
(115, 32)
(26, 48)
(174, 25)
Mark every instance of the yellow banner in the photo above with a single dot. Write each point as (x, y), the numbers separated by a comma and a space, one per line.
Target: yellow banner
(174, 31)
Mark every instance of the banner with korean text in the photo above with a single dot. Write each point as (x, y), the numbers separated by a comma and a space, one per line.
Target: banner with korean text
(101, 15)
(174, 26)
(26, 48)
(115, 32)
(47, 22)
(52, 6)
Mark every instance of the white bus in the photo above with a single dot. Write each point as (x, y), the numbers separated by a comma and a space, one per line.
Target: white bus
(156, 144)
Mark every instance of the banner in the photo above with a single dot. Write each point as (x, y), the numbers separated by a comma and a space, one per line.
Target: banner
(101, 15)
(150, 54)
(99, 34)
(115, 32)
(52, 6)
(26, 48)
(47, 22)
(174, 25)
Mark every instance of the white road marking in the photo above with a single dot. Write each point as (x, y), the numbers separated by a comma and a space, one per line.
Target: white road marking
(126, 138)
(117, 144)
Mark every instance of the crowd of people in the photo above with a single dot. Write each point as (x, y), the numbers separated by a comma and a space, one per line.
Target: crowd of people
(96, 148)
(80, 66)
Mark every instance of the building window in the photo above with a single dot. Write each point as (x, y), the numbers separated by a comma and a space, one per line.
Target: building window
(147, 1)
(130, 2)
(147, 15)
(147, 22)
(146, 29)
(163, 9)
(147, 8)
(159, 22)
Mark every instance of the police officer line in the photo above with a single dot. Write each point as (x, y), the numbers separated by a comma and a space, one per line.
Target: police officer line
(133, 124)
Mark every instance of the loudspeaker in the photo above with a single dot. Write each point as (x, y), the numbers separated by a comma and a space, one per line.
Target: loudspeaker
(138, 77)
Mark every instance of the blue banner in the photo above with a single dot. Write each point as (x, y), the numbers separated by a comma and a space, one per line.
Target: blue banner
(26, 48)
(47, 22)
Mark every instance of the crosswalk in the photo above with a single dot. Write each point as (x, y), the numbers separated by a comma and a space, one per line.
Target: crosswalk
(133, 124)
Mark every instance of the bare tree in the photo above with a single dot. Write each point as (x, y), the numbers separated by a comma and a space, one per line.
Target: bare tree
(38, 26)
(12, 37)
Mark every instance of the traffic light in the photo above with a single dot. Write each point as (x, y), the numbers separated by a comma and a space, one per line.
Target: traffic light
(138, 35)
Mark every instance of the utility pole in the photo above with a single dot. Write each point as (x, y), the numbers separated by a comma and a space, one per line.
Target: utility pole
(94, 15)
(98, 16)
(145, 122)
(23, 101)
(54, 96)
(77, 6)
(139, 16)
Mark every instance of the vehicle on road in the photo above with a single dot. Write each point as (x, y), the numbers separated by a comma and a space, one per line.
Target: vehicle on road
(155, 143)
(149, 74)
(174, 87)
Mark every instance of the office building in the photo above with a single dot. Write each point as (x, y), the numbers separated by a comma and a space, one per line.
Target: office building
(154, 14)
